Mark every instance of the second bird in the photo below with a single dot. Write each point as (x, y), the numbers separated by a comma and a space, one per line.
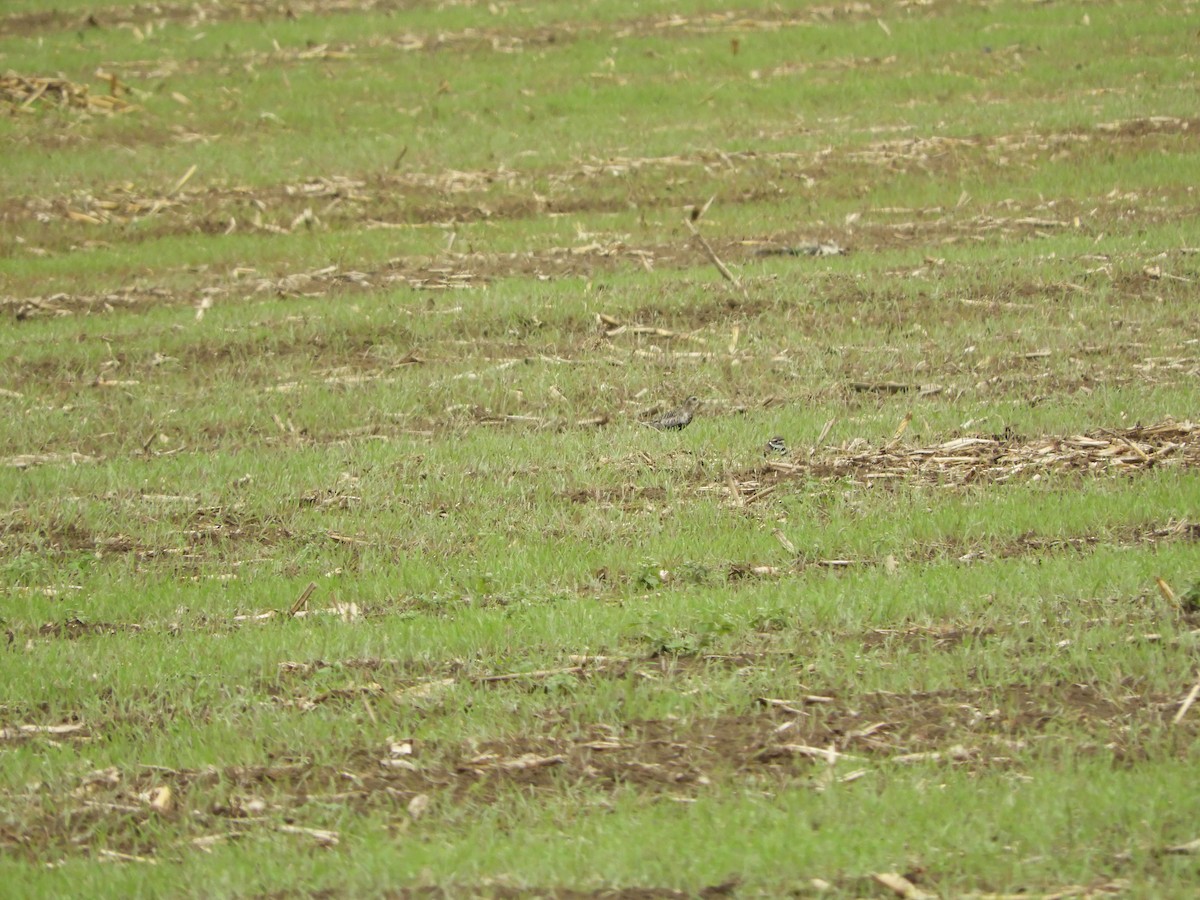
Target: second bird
(678, 418)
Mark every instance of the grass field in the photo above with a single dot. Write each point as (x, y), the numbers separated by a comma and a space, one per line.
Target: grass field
(337, 558)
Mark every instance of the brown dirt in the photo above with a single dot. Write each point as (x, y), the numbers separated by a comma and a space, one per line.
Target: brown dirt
(198, 528)
(211, 533)
(781, 743)
(195, 14)
(502, 892)
(458, 271)
(74, 627)
(415, 199)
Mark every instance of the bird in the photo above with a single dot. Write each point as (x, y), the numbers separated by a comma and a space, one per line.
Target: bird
(678, 418)
(775, 445)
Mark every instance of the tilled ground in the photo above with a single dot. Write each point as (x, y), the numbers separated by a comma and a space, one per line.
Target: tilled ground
(127, 213)
(800, 742)
(986, 310)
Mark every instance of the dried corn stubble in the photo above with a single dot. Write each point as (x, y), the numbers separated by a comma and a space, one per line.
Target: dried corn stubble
(24, 93)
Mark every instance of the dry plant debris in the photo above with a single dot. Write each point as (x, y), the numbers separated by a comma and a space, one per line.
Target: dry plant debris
(968, 460)
(548, 742)
(22, 93)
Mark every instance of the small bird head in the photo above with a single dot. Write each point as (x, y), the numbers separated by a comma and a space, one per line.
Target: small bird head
(691, 403)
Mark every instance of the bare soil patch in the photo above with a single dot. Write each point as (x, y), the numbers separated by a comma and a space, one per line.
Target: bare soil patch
(196, 14)
(790, 741)
(444, 199)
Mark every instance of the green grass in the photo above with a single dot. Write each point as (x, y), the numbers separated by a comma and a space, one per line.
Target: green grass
(544, 624)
